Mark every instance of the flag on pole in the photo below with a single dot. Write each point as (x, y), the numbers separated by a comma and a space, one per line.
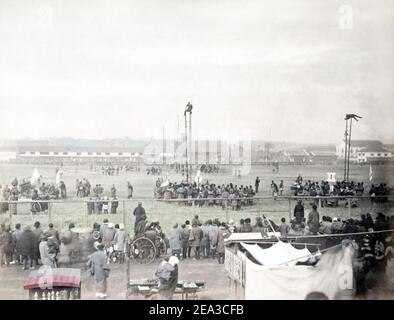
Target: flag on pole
(198, 178)
(59, 175)
(35, 177)
(370, 173)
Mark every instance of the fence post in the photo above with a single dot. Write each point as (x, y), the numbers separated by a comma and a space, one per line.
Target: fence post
(86, 206)
(320, 206)
(10, 214)
(124, 214)
(349, 209)
(290, 209)
(49, 212)
(157, 209)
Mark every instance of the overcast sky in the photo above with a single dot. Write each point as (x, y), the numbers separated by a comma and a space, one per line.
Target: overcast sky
(283, 70)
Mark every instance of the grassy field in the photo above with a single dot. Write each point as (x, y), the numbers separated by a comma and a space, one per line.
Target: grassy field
(74, 210)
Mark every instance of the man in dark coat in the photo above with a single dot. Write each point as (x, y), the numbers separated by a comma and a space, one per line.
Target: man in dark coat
(52, 232)
(129, 190)
(27, 247)
(139, 213)
(114, 205)
(37, 232)
(257, 184)
(299, 212)
(16, 235)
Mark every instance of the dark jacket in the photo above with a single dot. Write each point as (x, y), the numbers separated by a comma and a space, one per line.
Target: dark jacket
(139, 212)
(27, 245)
(299, 212)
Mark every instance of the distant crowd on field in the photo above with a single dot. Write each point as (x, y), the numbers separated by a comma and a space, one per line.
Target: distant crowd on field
(338, 188)
(112, 170)
(206, 194)
(39, 193)
(313, 224)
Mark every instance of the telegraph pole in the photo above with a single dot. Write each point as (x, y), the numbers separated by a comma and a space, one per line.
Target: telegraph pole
(188, 133)
(345, 170)
(348, 143)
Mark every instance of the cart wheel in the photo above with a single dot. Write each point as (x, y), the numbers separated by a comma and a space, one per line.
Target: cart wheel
(143, 251)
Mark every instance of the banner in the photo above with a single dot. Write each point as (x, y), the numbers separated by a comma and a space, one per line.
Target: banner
(59, 176)
(35, 177)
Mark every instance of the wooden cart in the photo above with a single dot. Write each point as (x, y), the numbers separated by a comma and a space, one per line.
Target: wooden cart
(188, 290)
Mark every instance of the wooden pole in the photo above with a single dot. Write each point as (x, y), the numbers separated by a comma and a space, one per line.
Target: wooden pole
(320, 206)
(187, 152)
(124, 214)
(290, 213)
(49, 212)
(349, 147)
(345, 161)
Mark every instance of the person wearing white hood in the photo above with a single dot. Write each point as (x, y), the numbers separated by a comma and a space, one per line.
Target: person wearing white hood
(109, 234)
(168, 277)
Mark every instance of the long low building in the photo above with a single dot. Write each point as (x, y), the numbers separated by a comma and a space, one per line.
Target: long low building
(77, 153)
(366, 151)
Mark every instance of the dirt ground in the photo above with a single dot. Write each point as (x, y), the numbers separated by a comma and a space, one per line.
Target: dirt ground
(217, 286)
(208, 270)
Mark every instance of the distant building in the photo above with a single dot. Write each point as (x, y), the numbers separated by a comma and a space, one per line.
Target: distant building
(76, 154)
(323, 157)
(7, 155)
(365, 151)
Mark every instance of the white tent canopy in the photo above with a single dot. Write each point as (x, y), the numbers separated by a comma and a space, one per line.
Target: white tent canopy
(278, 254)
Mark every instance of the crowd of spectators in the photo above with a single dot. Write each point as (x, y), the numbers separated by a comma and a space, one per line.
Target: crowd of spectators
(207, 194)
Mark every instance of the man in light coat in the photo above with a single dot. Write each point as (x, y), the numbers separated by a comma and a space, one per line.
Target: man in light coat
(120, 241)
(47, 259)
(99, 269)
(313, 220)
(176, 241)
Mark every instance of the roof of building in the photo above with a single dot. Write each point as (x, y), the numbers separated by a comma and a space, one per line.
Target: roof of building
(103, 149)
(375, 148)
(318, 153)
(297, 153)
(366, 143)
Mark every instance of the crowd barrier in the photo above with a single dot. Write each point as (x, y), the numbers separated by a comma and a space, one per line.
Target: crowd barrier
(171, 211)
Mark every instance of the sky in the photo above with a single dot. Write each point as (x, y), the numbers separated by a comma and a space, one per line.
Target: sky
(278, 70)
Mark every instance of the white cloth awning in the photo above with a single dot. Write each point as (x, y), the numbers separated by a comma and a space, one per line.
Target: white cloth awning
(278, 254)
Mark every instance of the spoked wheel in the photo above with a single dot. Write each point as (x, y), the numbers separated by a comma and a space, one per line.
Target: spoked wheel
(143, 251)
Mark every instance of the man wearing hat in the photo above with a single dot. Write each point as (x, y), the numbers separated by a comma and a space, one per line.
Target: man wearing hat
(139, 213)
(103, 227)
(100, 270)
(47, 258)
(299, 212)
